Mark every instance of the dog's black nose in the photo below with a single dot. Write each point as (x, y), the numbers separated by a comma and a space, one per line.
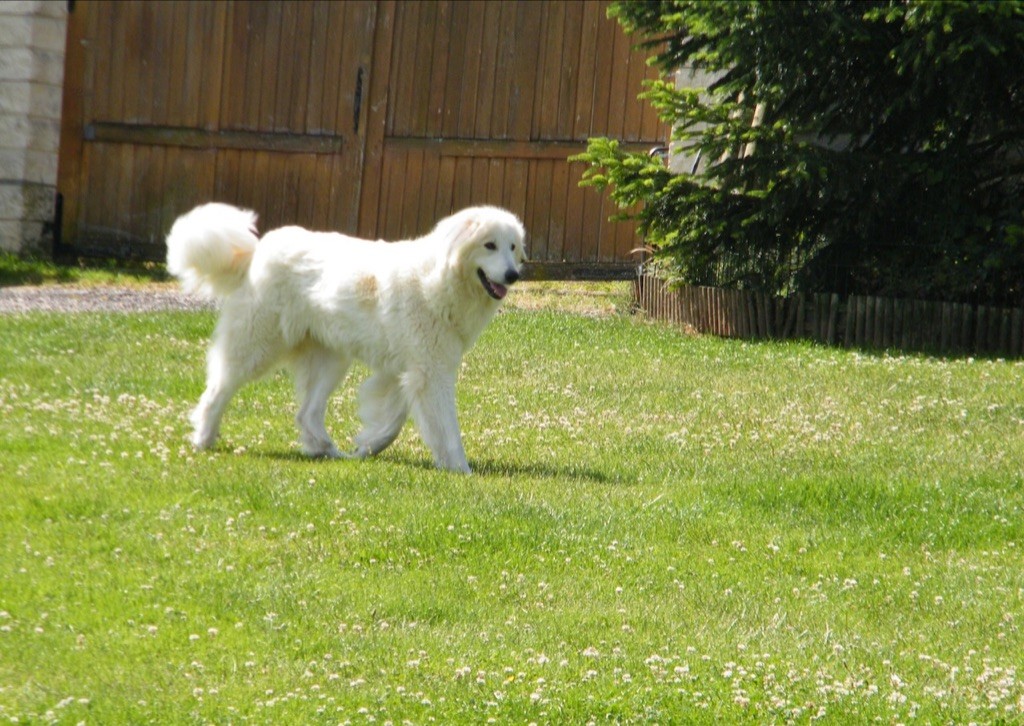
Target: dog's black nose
(511, 276)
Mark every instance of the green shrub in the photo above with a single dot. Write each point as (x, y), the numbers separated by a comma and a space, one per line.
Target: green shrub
(886, 158)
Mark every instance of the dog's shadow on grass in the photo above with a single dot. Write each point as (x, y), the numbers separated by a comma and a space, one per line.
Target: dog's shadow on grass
(539, 470)
(482, 467)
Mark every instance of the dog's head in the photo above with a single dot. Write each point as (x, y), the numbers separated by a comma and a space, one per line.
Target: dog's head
(487, 245)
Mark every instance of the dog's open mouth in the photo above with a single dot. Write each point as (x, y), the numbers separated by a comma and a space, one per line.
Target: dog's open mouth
(493, 289)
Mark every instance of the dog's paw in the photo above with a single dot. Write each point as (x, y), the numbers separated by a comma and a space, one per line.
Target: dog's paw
(456, 466)
(200, 442)
(331, 452)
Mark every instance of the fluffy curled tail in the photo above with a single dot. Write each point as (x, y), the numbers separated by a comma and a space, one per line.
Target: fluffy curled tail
(209, 249)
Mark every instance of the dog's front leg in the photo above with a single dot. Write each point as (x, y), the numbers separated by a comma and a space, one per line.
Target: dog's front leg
(433, 409)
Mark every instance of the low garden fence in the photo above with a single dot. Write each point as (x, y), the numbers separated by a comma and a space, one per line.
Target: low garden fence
(858, 321)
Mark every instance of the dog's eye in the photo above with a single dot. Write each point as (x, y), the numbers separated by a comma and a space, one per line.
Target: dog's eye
(513, 248)
(491, 246)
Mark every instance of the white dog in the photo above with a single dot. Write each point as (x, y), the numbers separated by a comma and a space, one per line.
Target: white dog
(318, 300)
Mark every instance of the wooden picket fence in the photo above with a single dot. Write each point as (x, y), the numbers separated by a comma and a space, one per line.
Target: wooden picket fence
(855, 322)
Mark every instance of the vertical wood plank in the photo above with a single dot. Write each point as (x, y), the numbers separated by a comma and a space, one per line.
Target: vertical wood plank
(452, 98)
(80, 65)
(253, 91)
(184, 98)
(505, 47)
(318, 71)
(607, 31)
(815, 324)
(421, 71)
(165, 75)
(264, 198)
(323, 192)
(1016, 324)
(522, 70)
(979, 330)
(121, 201)
(541, 185)
(576, 245)
(993, 331)
(307, 190)
(588, 69)
(103, 21)
(615, 120)
(378, 22)
(495, 186)
(549, 73)
(632, 127)
(487, 58)
(570, 70)
(215, 27)
(393, 222)
(962, 327)
(801, 316)
(462, 194)
(441, 51)
(350, 166)
(428, 210)
(514, 197)
(556, 211)
(228, 172)
(302, 40)
(935, 325)
(887, 323)
(833, 319)
(474, 37)
(136, 42)
(858, 328)
(233, 101)
(444, 200)
(142, 182)
(270, 74)
(1004, 332)
(846, 314)
(340, 18)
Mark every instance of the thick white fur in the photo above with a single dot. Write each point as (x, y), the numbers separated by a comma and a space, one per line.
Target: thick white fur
(319, 300)
(211, 248)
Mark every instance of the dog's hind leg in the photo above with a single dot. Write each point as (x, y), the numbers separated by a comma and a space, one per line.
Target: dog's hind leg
(221, 384)
(229, 365)
(318, 371)
(383, 410)
(208, 412)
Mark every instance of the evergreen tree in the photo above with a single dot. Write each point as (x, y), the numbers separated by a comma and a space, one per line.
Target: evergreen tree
(847, 146)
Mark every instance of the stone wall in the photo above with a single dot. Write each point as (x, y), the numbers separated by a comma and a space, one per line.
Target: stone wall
(32, 38)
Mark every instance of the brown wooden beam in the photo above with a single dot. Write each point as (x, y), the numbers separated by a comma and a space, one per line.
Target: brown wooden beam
(501, 148)
(204, 139)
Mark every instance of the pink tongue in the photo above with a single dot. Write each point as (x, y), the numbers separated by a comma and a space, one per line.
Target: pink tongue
(500, 290)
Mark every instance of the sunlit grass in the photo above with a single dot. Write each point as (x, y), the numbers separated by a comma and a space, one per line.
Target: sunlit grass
(659, 529)
(16, 270)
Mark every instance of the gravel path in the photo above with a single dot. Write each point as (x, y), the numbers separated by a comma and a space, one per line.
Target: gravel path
(64, 299)
(581, 298)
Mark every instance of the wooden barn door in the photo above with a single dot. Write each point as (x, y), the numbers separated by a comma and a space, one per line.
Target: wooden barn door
(487, 101)
(374, 118)
(169, 104)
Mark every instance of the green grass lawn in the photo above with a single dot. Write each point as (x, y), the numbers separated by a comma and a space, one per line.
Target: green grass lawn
(660, 529)
(21, 271)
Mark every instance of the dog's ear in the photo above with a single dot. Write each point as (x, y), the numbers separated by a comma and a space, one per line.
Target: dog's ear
(463, 233)
(458, 232)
